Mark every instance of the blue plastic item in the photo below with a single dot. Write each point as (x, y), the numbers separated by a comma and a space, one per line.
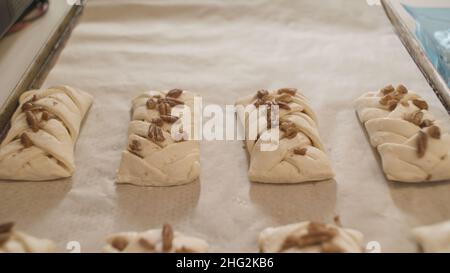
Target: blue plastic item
(433, 32)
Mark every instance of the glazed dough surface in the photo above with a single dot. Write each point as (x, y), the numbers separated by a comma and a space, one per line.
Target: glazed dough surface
(44, 129)
(300, 155)
(310, 237)
(163, 160)
(155, 241)
(412, 144)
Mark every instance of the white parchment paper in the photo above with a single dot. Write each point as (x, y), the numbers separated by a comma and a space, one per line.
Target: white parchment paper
(332, 50)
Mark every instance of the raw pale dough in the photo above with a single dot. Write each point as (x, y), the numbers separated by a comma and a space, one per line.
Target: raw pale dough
(17, 242)
(434, 238)
(300, 155)
(412, 144)
(44, 129)
(310, 237)
(155, 241)
(154, 157)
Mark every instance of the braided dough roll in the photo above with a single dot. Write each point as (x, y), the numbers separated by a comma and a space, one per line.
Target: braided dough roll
(310, 237)
(299, 154)
(164, 240)
(413, 146)
(154, 156)
(12, 241)
(44, 129)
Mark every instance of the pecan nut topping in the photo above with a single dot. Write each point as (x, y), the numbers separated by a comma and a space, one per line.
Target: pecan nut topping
(289, 128)
(289, 91)
(300, 151)
(119, 243)
(32, 121)
(387, 89)
(5, 232)
(434, 132)
(26, 141)
(135, 146)
(421, 104)
(422, 143)
(317, 234)
(155, 133)
(146, 244)
(426, 123)
(169, 118)
(174, 93)
(415, 117)
(167, 237)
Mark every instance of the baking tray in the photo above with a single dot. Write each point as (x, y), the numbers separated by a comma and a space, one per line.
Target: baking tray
(332, 50)
(396, 14)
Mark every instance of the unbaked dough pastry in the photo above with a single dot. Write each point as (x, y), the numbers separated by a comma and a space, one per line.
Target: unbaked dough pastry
(155, 156)
(310, 237)
(298, 154)
(155, 241)
(412, 144)
(44, 129)
(434, 238)
(12, 241)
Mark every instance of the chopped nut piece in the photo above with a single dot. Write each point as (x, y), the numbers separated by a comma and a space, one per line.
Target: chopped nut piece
(151, 103)
(289, 91)
(388, 89)
(401, 89)
(434, 132)
(26, 141)
(146, 244)
(422, 141)
(286, 98)
(135, 146)
(262, 93)
(119, 243)
(155, 133)
(392, 104)
(318, 234)
(289, 128)
(27, 106)
(167, 237)
(415, 117)
(157, 122)
(284, 106)
(169, 118)
(32, 121)
(384, 100)
(337, 220)
(174, 93)
(6, 227)
(171, 101)
(421, 104)
(300, 151)
(426, 123)
(45, 115)
(164, 108)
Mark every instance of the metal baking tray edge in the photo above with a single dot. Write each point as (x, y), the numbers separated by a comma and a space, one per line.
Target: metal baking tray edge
(419, 56)
(36, 73)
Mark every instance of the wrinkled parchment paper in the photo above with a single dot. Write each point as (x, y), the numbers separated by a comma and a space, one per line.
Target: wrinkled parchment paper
(332, 50)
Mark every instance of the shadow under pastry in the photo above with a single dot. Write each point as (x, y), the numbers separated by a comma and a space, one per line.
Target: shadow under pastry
(291, 203)
(27, 202)
(142, 208)
(427, 203)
